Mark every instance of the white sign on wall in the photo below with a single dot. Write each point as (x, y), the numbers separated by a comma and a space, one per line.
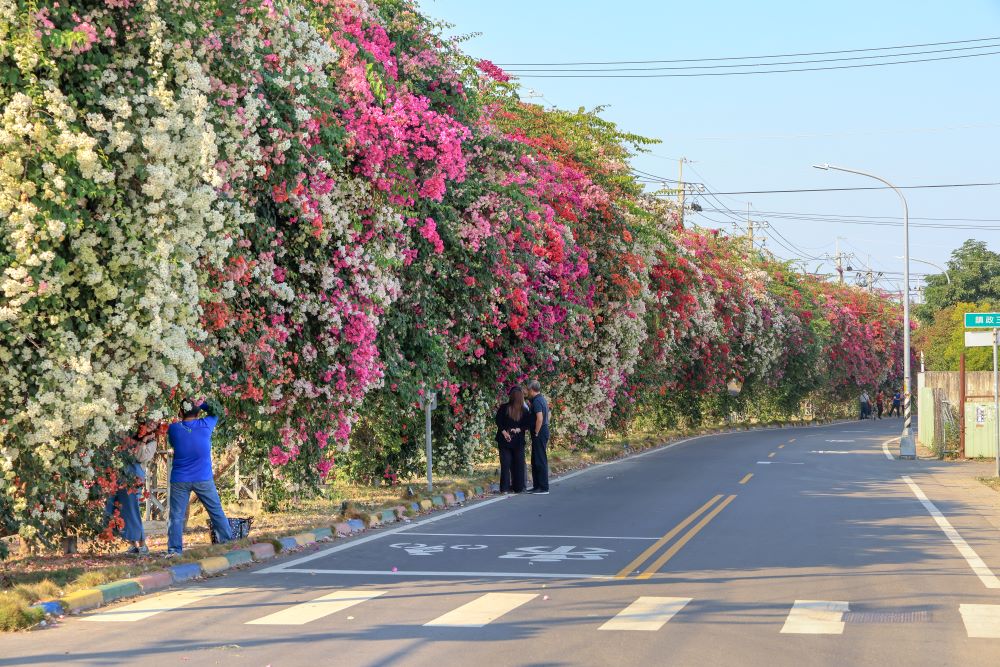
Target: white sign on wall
(980, 415)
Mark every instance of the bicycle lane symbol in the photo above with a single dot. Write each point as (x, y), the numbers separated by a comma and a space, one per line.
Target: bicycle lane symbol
(558, 554)
(418, 549)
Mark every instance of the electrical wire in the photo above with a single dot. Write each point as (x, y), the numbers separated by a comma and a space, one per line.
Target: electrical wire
(886, 57)
(780, 55)
(855, 189)
(753, 72)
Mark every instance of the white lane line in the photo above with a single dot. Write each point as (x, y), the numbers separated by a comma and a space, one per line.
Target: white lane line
(482, 610)
(981, 620)
(816, 617)
(885, 449)
(780, 463)
(143, 609)
(646, 614)
(569, 537)
(968, 553)
(316, 609)
(432, 573)
(282, 567)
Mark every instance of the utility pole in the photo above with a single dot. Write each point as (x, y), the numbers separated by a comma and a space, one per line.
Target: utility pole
(871, 276)
(840, 262)
(749, 226)
(680, 188)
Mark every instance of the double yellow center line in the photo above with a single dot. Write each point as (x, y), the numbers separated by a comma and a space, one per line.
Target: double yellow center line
(713, 507)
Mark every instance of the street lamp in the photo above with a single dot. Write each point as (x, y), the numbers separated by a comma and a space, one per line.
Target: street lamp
(936, 266)
(907, 446)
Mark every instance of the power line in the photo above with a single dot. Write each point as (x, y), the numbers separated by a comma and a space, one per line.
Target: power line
(772, 71)
(874, 217)
(780, 55)
(875, 223)
(885, 57)
(854, 189)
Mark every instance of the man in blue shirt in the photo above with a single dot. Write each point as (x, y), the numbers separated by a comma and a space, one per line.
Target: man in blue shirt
(191, 439)
(539, 439)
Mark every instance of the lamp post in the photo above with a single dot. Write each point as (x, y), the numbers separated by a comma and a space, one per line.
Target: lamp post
(936, 266)
(907, 446)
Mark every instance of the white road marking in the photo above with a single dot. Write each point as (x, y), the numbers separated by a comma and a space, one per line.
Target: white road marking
(816, 617)
(143, 609)
(840, 440)
(829, 451)
(968, 553)
(569, 537)
(647, 614)
(763, 463)
(885, 449)
(358, 541)
(981, 620)
(482, 610)
(780, 463)
(316, 609)
(431, 573)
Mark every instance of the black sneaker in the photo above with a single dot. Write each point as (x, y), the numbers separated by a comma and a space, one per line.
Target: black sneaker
(539, 492)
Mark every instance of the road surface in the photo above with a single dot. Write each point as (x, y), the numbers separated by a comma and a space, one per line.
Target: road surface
(805, 546)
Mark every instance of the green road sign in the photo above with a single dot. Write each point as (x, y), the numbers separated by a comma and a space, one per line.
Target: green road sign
(982, 320)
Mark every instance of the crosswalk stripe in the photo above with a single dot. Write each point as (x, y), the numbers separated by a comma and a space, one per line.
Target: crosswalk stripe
(816, 617)
(482, 610)
(647, 614)
(316, 609)
(143, 609)
(981, 620)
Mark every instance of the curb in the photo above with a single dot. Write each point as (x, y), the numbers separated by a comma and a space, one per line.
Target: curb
(185, 571)
(154, 581)
(262, 551)
(214, 564)
(116, 590)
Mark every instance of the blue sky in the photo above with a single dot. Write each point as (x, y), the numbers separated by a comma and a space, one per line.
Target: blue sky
(934, 122)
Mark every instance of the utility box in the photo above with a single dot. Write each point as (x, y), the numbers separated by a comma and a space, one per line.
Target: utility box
(980, 438)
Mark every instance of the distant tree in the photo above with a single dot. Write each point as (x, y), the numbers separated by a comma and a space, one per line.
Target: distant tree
(975, 278)
(943, 340)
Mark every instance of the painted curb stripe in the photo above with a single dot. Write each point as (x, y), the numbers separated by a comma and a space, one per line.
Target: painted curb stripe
(314, 610)
(214, 564)
(356, 524)
(320, 533)
(154, 581)
(88, 598)
(288, 543)
(262, 550)
(124, 588)
(52, 607)
(239, 557)
(185, 571)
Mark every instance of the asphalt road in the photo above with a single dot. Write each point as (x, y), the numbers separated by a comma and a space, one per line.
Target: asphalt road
(803, 546)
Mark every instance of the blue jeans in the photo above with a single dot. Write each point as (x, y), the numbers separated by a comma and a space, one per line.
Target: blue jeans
(180, 495)
(127, 505)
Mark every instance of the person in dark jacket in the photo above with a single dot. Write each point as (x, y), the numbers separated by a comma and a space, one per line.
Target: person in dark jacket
(513, 420)
(539, 439)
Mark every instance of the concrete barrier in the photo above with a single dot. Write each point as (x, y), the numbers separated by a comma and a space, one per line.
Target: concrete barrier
(239, 557)
(185, 571)
(88, 598)
(116, 590)
(374, 519)
(343, 529)
(460, 496)
(304, 538)
(426, 504)
(154, 581)
(214, 564)
(262, 550)
(387, 516)
(356, 524)
(438, 501)
(50, 607)
(288, 543)
(449, 499)
(321, 533)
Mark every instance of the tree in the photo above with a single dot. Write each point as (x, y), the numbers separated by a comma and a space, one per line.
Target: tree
(943, 340)
(975, 278)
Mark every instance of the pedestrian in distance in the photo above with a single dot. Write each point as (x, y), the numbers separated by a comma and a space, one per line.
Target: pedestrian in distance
(539, 439)
(122, 507)
(514, 420)
(191, 439)
(866, 406)
(897, 402)
(879, 403)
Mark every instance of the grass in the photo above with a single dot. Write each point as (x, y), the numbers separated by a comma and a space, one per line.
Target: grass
(28, 580)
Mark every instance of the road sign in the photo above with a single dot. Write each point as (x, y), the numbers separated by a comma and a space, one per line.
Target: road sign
(978, 339)
(982, 320)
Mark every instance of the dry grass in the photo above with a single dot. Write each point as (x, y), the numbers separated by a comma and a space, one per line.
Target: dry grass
(992, 482)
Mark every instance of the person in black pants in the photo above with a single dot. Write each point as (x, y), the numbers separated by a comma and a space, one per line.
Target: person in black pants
(539, 439)
(513, 422)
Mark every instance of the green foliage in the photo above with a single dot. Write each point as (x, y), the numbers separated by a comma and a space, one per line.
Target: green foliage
(943, 340)
(975, 278)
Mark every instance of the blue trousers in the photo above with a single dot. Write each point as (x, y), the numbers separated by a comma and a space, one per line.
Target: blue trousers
(180, 496)
(540, 461)
(127, 505)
